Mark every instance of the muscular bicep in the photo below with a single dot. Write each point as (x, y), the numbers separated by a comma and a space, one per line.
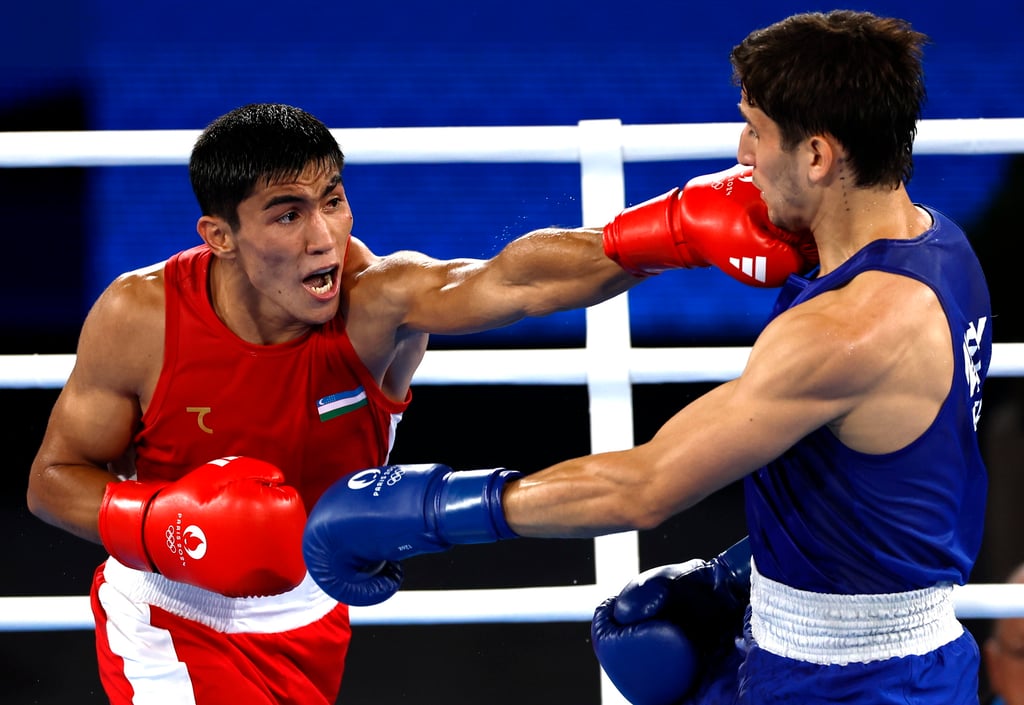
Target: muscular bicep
(708, 444)
(811, 367)
(96, 413)
(538, 274)
(795, 381)
(90, 423)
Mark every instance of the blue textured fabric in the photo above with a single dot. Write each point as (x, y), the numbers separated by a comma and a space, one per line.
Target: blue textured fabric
(828, 519)
(946, 676)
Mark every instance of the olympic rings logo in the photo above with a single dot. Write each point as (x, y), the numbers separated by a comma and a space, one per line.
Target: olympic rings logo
(191, 541)
(376, 478)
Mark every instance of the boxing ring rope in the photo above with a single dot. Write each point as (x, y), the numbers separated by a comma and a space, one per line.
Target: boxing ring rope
(607, 364)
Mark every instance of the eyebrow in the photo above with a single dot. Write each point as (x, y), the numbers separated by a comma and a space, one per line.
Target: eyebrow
(291, 198)
(332, 184)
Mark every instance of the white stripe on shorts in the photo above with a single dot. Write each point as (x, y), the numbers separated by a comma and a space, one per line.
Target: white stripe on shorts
(157, 676)
(296, 608)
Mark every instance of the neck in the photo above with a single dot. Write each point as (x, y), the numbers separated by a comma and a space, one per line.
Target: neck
(853, 217)
(240, 308)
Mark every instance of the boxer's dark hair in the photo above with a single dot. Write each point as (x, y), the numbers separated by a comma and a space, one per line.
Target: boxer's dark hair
(257, 144)
(852, 75)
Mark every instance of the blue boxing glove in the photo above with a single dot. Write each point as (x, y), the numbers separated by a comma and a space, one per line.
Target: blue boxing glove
(651, 662)
(669, 628)
(364, 524)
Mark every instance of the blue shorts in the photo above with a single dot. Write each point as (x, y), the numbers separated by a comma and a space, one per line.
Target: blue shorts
(946, 676)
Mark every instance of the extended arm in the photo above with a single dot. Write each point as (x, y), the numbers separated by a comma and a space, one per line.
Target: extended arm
(542, 272)
(715, 220)
(364, 526)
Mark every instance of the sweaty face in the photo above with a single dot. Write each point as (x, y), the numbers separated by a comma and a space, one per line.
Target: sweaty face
(775, 169)
(291, 244)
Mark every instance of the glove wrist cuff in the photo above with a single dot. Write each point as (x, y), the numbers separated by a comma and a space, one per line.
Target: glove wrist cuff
(649, 238)
(121, 518)
(471, 509)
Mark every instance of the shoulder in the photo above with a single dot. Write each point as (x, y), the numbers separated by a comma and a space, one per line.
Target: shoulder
(123, 334)
(359, 258)
(134, 297)
(392, 280)
(840, 344)
(363, 269)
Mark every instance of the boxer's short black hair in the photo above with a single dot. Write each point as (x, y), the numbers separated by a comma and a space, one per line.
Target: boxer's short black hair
(260, 143)
(852, 75)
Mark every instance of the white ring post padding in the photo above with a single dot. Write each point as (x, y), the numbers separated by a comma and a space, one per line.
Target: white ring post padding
(603, 194)
(608, 343)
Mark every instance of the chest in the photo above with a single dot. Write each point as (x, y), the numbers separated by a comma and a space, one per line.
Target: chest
(303, 408)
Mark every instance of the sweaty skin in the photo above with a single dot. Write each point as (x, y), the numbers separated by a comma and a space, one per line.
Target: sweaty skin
(874, 373)
(290, 265)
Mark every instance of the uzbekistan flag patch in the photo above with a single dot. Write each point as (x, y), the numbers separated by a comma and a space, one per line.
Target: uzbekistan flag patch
(335, 405)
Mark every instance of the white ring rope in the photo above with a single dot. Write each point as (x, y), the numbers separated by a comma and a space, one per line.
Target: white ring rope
(607, 364)
(566, 366)
(418, 145)
(567, 603)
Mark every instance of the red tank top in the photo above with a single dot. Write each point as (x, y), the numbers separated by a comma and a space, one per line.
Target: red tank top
(309, 406)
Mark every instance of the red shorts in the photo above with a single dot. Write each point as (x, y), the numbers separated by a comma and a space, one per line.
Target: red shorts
(160, 642)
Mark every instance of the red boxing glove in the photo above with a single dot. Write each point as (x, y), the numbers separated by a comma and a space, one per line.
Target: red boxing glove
(717, 219)
(229, 526)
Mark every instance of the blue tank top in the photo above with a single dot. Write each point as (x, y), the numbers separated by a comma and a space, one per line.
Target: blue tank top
(825, 518)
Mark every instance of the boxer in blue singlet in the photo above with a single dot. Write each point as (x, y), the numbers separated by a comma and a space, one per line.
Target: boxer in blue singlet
(855, 554)
(853, 425)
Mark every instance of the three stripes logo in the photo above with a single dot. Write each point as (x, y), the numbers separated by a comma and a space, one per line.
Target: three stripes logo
(754, 267)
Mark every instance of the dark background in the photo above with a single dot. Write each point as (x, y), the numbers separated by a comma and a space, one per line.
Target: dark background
(115, 65)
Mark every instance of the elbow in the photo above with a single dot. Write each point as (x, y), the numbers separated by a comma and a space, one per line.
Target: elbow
(39, 497)
(651, 519)
(652, 505)
(645, 513)
(30, 502)
(33, 497)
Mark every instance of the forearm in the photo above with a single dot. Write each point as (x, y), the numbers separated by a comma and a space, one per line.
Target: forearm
(540, 273)
(584, 497)
(554, 269)
(68, 497)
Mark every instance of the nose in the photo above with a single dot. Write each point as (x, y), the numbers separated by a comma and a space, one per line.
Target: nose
(319, 238)
(745, 148)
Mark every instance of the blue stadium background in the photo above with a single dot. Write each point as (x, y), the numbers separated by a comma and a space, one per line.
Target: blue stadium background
(70, 65)
(116, 65)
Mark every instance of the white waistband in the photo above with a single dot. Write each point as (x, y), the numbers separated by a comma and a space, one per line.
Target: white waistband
(296, 608)
(840, 629)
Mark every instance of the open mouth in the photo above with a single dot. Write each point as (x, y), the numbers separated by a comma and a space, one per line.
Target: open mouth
(321, 282)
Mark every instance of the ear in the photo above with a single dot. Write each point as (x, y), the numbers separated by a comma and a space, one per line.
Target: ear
(217, 234)
(824, 155)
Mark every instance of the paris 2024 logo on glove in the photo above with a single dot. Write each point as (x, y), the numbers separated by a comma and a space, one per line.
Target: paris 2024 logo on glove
(189, 541)
(375, 478)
